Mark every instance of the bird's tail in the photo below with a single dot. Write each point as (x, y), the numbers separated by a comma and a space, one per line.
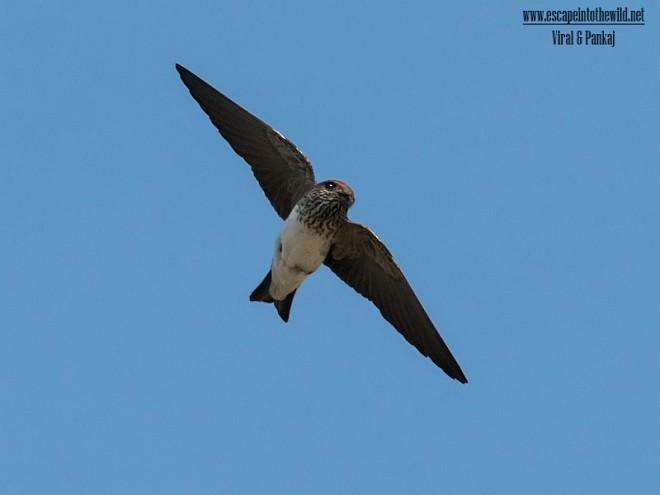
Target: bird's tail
(262, 294)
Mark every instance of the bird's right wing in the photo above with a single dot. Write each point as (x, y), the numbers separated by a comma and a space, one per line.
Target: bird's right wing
(361, 260)
(283, 172)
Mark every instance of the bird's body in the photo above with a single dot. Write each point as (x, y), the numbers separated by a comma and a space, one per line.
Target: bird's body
(304, 242)
(316, 228)
(299, 251)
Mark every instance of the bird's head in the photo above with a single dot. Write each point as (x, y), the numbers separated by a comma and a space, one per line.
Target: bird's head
(338, 189)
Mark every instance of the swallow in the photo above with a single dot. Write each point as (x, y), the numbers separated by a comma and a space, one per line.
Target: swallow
(316, 229)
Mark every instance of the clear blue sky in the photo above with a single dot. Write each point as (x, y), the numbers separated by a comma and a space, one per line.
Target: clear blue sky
(516, 182)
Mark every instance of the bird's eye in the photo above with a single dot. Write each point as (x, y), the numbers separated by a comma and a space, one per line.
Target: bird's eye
(330, 185)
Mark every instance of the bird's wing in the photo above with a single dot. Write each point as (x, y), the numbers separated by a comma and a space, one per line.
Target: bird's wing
(283, 172)
(361, 260)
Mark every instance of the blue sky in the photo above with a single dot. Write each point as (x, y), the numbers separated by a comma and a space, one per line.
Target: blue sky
(516, 182)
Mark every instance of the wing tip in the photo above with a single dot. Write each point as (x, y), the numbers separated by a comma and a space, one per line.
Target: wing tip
(454, 372)
(452, 369)
(185, 75)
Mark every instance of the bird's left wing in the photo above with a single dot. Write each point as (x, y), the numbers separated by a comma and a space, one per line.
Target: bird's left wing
(361, 260)
(282, 170)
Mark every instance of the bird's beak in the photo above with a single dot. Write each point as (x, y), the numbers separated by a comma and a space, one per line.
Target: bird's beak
(347, 196)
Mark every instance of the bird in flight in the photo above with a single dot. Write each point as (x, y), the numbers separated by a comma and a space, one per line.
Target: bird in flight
(316, 228)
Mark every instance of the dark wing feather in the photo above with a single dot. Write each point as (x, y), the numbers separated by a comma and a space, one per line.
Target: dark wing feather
(283, 172)
(361, 260)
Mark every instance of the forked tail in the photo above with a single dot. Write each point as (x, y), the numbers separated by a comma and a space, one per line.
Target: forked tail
(262, 294)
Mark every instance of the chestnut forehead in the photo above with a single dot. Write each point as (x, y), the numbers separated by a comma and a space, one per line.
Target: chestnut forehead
(342, 185)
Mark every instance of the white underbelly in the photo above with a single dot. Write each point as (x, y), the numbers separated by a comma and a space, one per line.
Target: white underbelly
(299, 251)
